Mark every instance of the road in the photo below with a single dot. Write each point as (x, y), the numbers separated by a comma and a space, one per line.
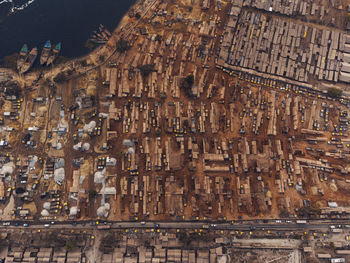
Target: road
(240, 226)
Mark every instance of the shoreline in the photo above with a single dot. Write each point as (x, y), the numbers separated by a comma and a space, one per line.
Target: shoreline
(91, 57)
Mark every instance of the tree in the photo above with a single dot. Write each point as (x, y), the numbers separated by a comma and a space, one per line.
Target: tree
(158, 38)
(60, 77)
(83, 63)
(110, 240)
(122, 45)
(13, 90)
(187, 84)
(137, 15)
(201, 48)
(146, 69)
(92, 194)
(284, 213)
(70, 245)
(101, 58)
(190, 80)
(334, 92)
(158, 131)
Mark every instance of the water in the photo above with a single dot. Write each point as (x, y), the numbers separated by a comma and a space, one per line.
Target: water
(68, 21)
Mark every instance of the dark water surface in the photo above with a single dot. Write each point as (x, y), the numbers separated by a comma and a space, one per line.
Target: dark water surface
(68, 21)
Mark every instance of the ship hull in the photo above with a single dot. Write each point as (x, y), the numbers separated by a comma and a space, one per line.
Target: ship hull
(22, 57)
(54, 54)
(30, 60)
(45, 53)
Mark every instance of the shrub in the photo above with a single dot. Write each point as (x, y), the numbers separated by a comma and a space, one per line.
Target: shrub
(122, 45)
(146, 69)
(334, 92)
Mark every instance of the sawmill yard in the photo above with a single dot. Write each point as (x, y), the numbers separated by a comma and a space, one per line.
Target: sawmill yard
(209, 110)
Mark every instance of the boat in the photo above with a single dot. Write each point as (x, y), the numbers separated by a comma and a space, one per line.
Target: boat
(22, 56)
(30, 60)
(103, 29)
(54, 54)
(45, 52)
(107, 32)
(97, 41)
(105, 37)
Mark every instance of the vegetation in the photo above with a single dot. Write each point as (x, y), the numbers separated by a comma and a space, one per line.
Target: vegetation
(158, 131)
(60, 77)
(201, 48)
(83, 63)
(109, 241)
(122, 45)
(189, 80)
(101, 58)
(309, 212)
(146, 69)
(70, 245)
(187, 84)
(137, 15)
(284, 213)
(92, 194)
(158, 38)
(334, 92)
(13, 90)
(188, 238)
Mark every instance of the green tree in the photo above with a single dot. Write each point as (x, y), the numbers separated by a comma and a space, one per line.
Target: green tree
(158, 38)
(334, 92)
(83, 63)
(60, 77)
(92, 194)
(146, 69)
(122, 45)
(187, 84)
(189, 80)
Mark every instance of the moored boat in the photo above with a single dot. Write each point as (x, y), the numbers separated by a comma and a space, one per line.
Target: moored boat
(22, 56)
(30, 60)
(54, 54)
(45, 52)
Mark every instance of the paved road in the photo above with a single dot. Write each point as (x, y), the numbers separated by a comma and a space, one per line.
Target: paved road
(241, 226)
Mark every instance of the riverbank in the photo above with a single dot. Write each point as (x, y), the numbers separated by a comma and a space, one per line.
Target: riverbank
(62, 21)
(81, 65)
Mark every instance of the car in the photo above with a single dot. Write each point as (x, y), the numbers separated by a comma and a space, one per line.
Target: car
(6, 223)
(142, 222)
(26, 225)
(278, 221)
(213, 225)
(47, 225)
(156, 225)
